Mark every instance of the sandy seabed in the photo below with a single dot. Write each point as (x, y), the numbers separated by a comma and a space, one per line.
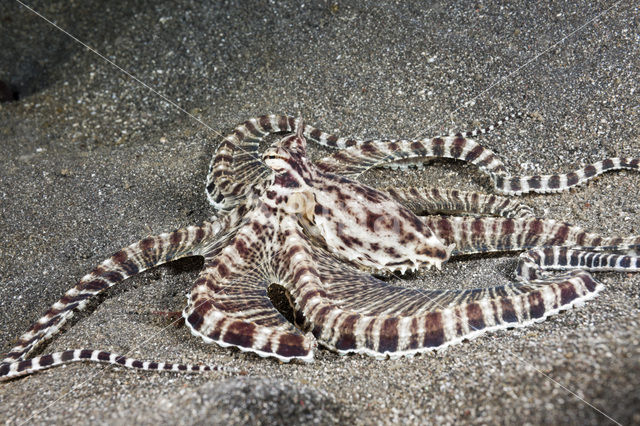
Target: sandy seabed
(93, 161)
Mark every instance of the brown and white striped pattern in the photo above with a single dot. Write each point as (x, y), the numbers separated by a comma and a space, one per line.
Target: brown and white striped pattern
(145, 254)
(532, 263)
(285, 220)
(424, 201)
(236, 167)
(484, 130)
(493, 234)
(359, 313)
(23, 368)
(561, 182)
(358, 159)
(362, 156)
(229, 304)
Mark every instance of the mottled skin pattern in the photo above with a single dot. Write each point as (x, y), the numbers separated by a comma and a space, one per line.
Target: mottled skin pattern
(314, 230)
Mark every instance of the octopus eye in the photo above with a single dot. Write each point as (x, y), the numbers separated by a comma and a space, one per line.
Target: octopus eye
(276, 158)
(277, 164)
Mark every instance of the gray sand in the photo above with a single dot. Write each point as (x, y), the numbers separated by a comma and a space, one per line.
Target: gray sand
(92, 161)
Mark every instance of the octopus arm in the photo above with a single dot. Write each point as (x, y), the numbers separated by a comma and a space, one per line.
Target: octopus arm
(145, 254)
(229, 305)
(359, 313)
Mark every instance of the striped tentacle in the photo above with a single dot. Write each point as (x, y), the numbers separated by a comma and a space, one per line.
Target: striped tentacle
(239, 313)
(229, 303)
(236, 164)
(559, 182)
(145, 254)
(484, 130)
(490, 234)
(358, 159)
(532, 263)
(332, 141)
(446, 201)
(29, 366)
(364, 155)
(355, 312)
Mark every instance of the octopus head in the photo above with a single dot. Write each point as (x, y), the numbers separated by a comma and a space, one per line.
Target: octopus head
(289, 154)
(290, 190)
